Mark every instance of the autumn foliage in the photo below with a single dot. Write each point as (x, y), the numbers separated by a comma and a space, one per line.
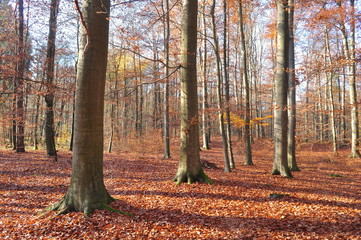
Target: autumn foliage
(321, 202)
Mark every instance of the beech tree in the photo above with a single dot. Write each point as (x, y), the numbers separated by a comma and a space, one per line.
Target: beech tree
(280, 164)
(49, 96)
(190, 167)
(87, 191)
(19, 131)
(291, 134)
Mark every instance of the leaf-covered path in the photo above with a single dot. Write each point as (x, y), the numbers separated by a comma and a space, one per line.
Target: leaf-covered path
(321, 202)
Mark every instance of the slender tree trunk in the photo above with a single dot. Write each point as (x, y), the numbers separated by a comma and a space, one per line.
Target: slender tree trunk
(280, 164)
(205, 105)
(247, 130)
(141, 99)
(291, 134)
(166, 134)
(87, 191)
(227, 167)
(49, 96)
(190, 167)
(19, 84)
(226, 87)
(329, 79)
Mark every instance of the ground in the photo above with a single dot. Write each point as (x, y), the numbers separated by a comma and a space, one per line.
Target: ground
(323, 201)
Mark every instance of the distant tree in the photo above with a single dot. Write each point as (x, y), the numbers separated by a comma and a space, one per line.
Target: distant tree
(49, 81)
(87, 191)
(190, 167)
(280, 164)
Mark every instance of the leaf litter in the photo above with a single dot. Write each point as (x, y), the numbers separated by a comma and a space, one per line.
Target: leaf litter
(313, 205)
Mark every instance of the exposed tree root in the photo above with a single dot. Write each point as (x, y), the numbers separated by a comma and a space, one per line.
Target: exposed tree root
(189, 178)
(107, 207)
(64, 206)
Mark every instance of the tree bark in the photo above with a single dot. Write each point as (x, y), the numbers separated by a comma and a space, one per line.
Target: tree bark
(87, 191)
(291, 134)
(226, 87)
(190, 167)
(247, 130)
(49, 96)
(166, 133)
(19, 84)
(227, 167)
(280, 164)
(205, 105)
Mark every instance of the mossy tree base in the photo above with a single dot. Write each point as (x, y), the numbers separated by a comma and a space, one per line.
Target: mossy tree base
(186, 177)
(65, 206)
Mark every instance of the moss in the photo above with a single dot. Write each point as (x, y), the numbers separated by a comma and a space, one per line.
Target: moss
(190, 179)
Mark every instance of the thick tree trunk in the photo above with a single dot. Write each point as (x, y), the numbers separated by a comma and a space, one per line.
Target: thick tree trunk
(87, 191)
(190, 167)
(280, 164)
(353, 93)
(49, 96)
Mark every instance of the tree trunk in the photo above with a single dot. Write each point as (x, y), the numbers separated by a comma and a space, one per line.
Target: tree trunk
(291, 134)
(87, 191)
(227, 167)
(329, 79)
(353, 90)
(205, 105)
(226, 88)
(19, 84)
(49, 96)
(280, 164)
(190, 167)
(247, 130)
(166, 134)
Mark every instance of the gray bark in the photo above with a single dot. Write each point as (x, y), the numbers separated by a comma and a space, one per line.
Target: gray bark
(227, 167)
(189, 168)
(291, 134)
(280, 164)
(87, 191)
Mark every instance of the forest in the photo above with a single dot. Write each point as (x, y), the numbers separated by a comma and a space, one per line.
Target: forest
(168, 119)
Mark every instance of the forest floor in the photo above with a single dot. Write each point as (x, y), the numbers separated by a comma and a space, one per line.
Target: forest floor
(323, 201)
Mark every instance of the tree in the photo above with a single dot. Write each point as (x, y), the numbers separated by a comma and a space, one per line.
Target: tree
(87, 191)
(49, 96)
(291, 134)
(351, 56)
(166, 134)
(222, 128)
(19, 84)
(190, 167)
(280, 165)
(247, 130)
